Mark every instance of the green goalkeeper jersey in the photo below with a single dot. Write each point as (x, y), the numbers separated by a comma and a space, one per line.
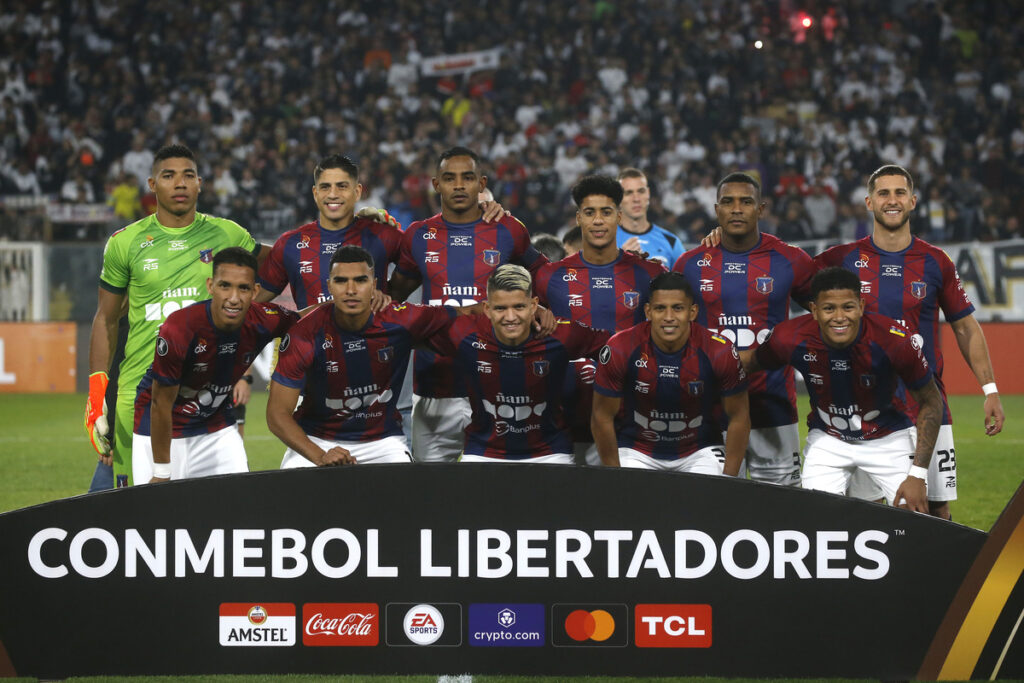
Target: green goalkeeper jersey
(162, 270)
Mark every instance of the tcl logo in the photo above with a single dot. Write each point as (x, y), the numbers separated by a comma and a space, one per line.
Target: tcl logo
(673, 625)
(340, 624)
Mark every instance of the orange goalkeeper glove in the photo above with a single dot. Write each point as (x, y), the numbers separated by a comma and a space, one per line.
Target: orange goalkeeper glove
(96, 425)
(378, 216)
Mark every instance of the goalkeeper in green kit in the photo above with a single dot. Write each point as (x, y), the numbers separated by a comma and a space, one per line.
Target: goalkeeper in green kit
(160, 264)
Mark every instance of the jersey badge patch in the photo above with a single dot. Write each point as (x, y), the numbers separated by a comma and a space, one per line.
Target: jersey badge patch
(696, 388)
(492, 257)
(384, 355)
(630, 299)
(206, 255)
(765, 285)
(918, 289)
(540, 367)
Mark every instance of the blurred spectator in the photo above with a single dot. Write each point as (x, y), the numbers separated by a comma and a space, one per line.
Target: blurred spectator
(124, 197)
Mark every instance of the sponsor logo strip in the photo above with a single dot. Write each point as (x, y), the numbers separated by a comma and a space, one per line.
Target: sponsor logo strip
(257, 624)
(589, 625)
(340, 624)
(506, 625)
(415, 624)
(672, 625)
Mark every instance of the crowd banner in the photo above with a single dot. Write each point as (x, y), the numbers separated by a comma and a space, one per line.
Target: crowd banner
(461, 63)
(488, 569)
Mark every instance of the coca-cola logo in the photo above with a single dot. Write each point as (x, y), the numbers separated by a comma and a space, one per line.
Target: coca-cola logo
(341, 624)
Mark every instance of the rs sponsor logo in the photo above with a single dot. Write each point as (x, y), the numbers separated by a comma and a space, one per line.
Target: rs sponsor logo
(332, 624)
(673, 625)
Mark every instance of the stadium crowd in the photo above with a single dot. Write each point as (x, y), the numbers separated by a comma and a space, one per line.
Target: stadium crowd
(88, 88)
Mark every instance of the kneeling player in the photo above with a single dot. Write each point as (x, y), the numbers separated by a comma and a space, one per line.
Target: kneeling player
(852, 362)
(184, 425)
(658, 386)
(349, 364)
(516, 378)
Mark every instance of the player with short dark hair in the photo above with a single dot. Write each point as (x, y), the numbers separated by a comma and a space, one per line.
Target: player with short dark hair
(744, 287)
(905, 278)
(452, 254)
(601, 286)
(573, 240)
(153, 267)
(549, 245)
(636, 232)
(659, 385)
(852, 363)
(184, 424)
(515, 378)
(348, 363)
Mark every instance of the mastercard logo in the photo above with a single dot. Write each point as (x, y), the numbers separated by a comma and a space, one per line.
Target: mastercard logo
(582, 625)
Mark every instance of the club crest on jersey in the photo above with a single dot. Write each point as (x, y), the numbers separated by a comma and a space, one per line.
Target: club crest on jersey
(492, 257)
(918, 289)
(867, 381)
(385, 355)
(765, 285)
(696, 388)
(206, 255)
(630, 299)
(540, 367)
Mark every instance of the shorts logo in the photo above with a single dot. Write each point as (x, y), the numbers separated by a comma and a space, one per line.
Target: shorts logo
(765, 285)
(672, 625)
(492, 257)
(355, 624)
(410, 624)
(540, 367)
(384, 355)
(161, 346)
(918, 289)
(206, 255)
(504, 625)
(589, 625)
(630, 299)
(266, 624)
(695, 388)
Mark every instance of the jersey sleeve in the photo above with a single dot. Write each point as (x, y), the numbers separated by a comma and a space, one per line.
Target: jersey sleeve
(611, 371)
(240, 237)
(725, 362)
(423, 322)
(540, 283)
(581, 341)
(804, 270)
(953, 299)
(172, 345)
(907, 354)
(524, 254)
(407, 265)
(115, 274)
(295, 356)
(272, 275)
(774, 351)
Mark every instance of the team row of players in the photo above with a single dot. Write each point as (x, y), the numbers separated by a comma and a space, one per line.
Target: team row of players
(743, 288)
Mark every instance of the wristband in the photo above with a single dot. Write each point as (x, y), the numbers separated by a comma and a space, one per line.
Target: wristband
(162, 470)
(247, 378)
(918, 472)
(989, 389)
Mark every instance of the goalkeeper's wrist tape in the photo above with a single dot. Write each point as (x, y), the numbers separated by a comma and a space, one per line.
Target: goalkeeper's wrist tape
(161, 470)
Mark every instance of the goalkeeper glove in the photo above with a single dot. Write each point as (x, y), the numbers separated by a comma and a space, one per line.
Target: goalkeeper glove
(378, 216)
(96, 425)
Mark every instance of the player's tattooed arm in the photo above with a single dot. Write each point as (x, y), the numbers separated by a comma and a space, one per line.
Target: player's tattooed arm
(929, 417)
(401, 286)
(602, 426)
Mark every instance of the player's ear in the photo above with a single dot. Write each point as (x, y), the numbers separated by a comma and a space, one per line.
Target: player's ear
(359, 191)
(483, 182)
(209, 285)
(647, 311)
(152, 184)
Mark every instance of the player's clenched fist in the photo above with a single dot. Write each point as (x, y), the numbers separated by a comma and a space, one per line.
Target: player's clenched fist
(96, 425)
(337, 456)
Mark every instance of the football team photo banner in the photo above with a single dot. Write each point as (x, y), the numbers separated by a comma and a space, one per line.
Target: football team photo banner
(474, 568)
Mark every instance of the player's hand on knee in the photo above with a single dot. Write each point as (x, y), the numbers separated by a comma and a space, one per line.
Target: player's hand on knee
(912, 495)
(96, 424)
(337, 456)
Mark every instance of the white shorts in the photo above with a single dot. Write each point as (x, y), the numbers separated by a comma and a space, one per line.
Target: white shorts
(829, 462)
(773, 455)
(221, 452)
(390, 449)
(550, 459)
(705, 461)
(941, 471)
(586, 453)
(439, 428)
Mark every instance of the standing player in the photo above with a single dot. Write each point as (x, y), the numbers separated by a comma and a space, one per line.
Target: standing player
(659, 385)
(452, 254)
(744, 286)
(906, 278)
(184, 423)
(852, 363)
(601, 286)
(154, 266)
(636, 232)
(348, 363)
(515, 379)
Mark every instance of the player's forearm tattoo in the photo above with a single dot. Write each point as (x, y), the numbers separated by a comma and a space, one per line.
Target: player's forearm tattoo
(929, 417)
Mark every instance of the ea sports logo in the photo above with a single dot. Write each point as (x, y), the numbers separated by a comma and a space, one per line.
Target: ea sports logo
(582, 625)
(257, 615)
(423, 624)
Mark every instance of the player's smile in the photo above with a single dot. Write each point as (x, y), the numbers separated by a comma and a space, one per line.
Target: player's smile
(670, 312)
(838, 312)
(336, 194)
(891, 202)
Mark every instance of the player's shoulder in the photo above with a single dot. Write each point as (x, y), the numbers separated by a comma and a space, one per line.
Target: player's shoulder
(670, 237)
(711, 342)
(625, 341)
(512, 223)
(920, 246)
(313, 320)
(304, 230)
(795, 330)
(375, 227)
(219, 222)
(190, 317)
(129, 234)
(835, 254)
(630, 259)
(433, 223)
(792, 252)
(884, 329)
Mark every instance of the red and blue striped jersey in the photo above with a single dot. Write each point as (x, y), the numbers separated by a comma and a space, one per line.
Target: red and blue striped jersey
(302, 257)
(454, 262)
(517, 392)
(853, 390)
(742, 296)
(669, 400)
(205, 363)
(910, 286)
(351, 380)
(608, 297)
